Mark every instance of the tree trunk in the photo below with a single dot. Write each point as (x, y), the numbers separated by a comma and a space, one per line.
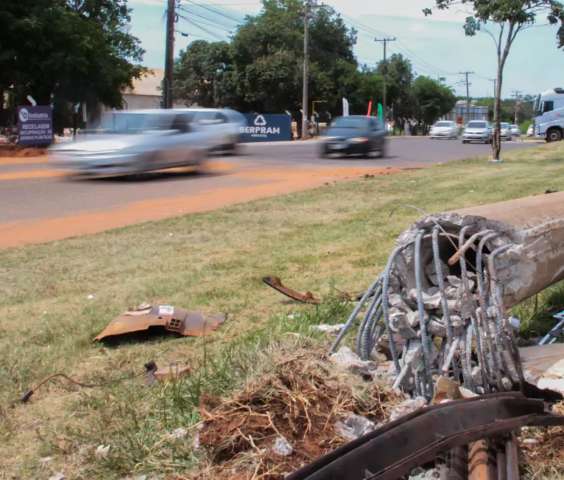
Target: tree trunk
(496, 141)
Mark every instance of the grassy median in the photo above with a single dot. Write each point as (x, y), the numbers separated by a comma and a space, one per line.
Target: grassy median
(55, 298)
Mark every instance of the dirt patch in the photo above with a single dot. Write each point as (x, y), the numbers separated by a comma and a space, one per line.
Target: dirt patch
(270, 182)
(300, 401)
(21, 152)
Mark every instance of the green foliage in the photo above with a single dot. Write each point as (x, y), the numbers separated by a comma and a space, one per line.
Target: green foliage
(69, 51)
(432, 100)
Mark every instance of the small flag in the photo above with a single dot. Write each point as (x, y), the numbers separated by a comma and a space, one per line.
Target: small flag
(369, 108)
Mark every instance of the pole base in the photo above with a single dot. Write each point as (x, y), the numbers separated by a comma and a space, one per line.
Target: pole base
(493, 160)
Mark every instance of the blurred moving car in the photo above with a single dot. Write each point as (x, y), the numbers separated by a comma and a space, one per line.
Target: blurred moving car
(505, 131)
(444, 129)
(137, 141)
(477, 131)
(223, 123)
(131, 142)
(515, 130)
(355, 135)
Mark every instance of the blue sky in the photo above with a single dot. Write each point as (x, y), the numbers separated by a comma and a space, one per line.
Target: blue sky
(436, 45)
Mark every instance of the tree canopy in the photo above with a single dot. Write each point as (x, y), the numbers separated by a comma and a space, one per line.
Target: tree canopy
(67, 50)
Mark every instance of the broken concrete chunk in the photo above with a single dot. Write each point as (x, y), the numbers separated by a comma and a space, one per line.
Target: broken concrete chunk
(407, 407)
(172, 319)
(282, 447)
(354, 426)
(347, 359)
(399, 324)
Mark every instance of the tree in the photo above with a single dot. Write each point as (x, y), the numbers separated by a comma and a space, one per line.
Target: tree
(201, 72)
(268, 57)
(399, 74)
(510, 17)
(432, 100)
(67, 50)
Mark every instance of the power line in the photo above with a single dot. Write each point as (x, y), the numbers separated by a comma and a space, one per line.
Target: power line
(207, 22)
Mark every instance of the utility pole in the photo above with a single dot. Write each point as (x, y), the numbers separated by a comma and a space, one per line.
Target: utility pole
(517, 95)
(169, 53)
(385, 41)
(305, 90)
(494, 80)
(466, 75)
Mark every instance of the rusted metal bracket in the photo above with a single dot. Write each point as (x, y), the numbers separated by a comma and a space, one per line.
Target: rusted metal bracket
(276, 283)
(399, 446)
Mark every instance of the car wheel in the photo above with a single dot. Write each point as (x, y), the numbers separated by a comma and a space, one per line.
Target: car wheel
(554, 135)
(464, 141)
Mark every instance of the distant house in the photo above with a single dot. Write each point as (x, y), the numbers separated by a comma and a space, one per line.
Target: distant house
(460, 113)
(145, 93)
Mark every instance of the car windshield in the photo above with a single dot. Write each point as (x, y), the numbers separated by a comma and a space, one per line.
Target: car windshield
(477, 125)
(504, 125)
(349, 122)
(443, 124)
(137, 122)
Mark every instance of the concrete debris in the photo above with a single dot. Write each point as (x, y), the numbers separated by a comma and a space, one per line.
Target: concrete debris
(442, 302)
(172, 372)
(282, 447)
(408, 406)
(354, 426)
(178, 433)
(102, 452)
(421, 474)
(325, 328)
(346, 359)
(57, 476)
(543, 366)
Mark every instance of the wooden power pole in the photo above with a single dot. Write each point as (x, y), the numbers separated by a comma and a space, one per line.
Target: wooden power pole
(169, 54)
(385, 42)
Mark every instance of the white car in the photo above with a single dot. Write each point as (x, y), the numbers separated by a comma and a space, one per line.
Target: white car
(477, 131)
(505, 131)
(223, 124)
(444, 129)
(515, 130)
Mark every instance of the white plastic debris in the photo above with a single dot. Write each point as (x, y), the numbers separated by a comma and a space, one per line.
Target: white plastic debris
(57, 476)
(407, 407)
(282, 447)
(325, 328)
(354, 426)
(178, 433)
(90, 296)
(102, 452)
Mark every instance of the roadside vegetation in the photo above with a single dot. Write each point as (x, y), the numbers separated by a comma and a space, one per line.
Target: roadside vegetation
(54, 298)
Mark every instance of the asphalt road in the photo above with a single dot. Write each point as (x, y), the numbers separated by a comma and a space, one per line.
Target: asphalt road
(32, 191)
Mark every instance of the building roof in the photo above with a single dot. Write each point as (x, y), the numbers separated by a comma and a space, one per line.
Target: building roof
(149, 84)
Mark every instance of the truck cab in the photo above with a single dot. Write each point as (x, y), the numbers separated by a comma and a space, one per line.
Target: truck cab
(549, 120)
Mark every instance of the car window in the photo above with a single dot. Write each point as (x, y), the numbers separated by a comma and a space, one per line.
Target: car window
(477, 125)
(443, 124)
(548, 106)
(349, 122)
(221, 117)
(181, 123)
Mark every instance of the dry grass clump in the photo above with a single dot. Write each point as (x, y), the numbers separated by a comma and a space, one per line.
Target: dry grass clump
(301, 400)
(543, 450)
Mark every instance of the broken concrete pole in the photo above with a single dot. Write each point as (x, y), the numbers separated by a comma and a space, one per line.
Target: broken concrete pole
(453, 276)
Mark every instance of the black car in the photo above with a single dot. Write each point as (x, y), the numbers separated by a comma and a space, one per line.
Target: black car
(355, 135)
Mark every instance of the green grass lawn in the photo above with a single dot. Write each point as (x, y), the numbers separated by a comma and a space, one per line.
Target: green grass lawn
(334, 237)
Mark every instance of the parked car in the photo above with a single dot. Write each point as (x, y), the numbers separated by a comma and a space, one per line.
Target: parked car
(444, 129)
(505, 131)
(354, 135)
(477, 131)
(515, 130)
(132, 142)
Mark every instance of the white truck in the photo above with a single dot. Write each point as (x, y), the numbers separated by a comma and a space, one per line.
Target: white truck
(549, 120)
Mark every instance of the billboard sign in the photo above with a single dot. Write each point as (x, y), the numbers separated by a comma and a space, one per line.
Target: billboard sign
(35, 125)
(267, 128)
